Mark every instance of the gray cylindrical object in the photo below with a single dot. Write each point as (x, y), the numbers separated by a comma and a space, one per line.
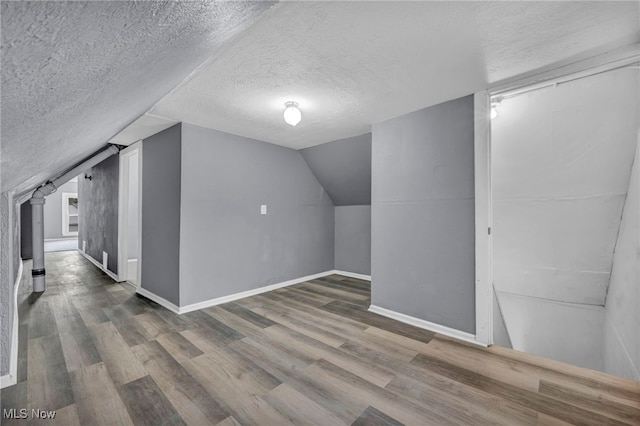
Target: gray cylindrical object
(37, 224)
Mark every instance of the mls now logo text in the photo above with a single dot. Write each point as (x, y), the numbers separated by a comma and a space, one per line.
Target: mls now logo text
(23, 413)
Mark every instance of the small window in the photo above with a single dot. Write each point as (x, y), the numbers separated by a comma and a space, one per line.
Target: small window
(69, 214)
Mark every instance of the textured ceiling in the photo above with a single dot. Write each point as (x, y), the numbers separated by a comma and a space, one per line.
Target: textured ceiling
(351, 64)
(74, 74)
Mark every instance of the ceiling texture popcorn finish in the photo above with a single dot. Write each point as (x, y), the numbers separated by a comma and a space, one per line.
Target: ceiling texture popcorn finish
(74, 74)
(351, 64)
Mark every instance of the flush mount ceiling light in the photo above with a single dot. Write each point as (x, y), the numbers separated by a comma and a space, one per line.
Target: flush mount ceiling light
(292, 114)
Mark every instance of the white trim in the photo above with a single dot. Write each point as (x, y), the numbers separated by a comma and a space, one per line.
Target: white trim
(482, 175)
(617, 58)
(138, 145)
(123, 196)
(427, 325)
(225, 299)
(65, 214)
(24, 197)
(12, 378)
(352, 275)
(51, 240)
(11, 209)
(132, 264)
(252, 292)
(123, 207)
(99, 266)
(159, 300)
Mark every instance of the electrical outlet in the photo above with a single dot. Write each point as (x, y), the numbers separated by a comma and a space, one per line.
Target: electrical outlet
(263, 209)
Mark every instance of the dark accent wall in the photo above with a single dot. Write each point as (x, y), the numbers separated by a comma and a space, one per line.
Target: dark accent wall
(26, 243)
(353, 239)
(423, 219)
(227, 246)
(343, 168)
(98, 211)
(161, 181)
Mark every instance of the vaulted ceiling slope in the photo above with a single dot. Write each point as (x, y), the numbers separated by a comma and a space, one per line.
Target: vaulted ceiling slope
(343, 168)
(74, 74)
(350, 64)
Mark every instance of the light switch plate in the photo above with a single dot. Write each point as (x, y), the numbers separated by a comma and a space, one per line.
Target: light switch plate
(263, 209)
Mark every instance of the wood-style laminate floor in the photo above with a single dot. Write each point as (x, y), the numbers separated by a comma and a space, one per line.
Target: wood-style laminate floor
(97, 353)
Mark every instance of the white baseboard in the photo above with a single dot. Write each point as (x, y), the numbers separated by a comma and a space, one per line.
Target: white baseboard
(159, 300)
(353, 275)
(226, 299)
(427, 325)
(132, 269)
(99, 265)
(12, 378)
(253, 292)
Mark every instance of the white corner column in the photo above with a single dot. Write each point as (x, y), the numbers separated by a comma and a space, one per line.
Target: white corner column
(482, 154)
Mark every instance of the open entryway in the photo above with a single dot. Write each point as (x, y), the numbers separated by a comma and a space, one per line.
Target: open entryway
(129, 214)
(564, 191)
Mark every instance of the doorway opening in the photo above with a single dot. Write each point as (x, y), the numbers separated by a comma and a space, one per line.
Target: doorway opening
(564, 191)
(129, 222)
(61, 218)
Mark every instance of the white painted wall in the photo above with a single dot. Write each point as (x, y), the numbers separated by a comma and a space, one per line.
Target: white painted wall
(132, 214)
(622, 309)
(500, 332)
(132, 219)
(561, 163)
(566, 332)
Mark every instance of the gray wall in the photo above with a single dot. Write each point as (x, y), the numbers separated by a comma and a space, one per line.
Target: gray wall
(161, 170)
(227, 246)
(423, 260)
(26, 243)
(98, 209)
(353, 239)
(53, 211)
(343, 168)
